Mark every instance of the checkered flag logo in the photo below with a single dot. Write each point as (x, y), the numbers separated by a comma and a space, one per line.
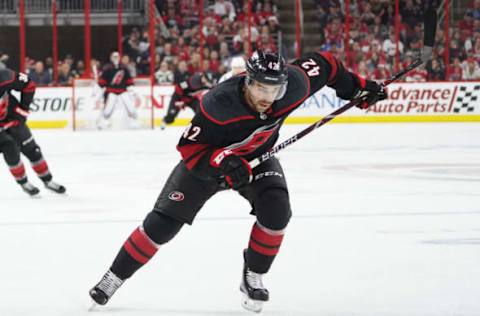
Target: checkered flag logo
(466, 99)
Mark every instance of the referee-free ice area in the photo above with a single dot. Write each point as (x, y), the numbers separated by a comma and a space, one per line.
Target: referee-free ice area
(386, 223)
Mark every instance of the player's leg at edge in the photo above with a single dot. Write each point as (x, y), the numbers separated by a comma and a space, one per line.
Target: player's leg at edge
(143, 243)
(11, 155)
(273, 212)
(32, 151)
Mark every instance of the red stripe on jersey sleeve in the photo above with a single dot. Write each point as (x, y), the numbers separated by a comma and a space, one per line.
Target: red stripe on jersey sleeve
(30, 87)
(187, 151)
(193, 162)
(333, 63)
(361, 80)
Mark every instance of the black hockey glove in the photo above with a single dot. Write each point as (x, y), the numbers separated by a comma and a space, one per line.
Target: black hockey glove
(236, 170)
(371, 93)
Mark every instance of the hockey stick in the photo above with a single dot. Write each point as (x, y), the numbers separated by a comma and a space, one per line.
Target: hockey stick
(430, 26)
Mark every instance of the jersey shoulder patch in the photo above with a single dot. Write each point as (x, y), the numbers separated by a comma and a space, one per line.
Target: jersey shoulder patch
(223, 104)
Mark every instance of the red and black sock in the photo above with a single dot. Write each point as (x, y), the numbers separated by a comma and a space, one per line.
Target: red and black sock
(18, 172)
(263, 247)
(41, 168)
(137, 250)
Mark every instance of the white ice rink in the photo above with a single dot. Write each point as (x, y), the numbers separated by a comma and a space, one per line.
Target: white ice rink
(386, 223)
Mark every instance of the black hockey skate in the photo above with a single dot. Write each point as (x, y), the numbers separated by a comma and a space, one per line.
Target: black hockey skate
(55, 187)
(254, 293)
(103, 291)
(30, 188)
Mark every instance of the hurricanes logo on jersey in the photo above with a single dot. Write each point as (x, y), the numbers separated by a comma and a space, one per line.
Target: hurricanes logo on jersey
(118, 78)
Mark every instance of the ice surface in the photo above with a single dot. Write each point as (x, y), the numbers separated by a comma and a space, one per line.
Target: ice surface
(386, 222)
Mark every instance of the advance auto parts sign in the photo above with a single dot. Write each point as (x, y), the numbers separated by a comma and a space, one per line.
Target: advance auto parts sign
(407, 102)
(430, 99)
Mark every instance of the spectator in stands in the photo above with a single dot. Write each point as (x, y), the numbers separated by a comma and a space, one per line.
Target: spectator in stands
(131, 46)
(3, 61)
(164, 75)
(80, 68)
(167, 54)
(390, 46)
(362, 69)
(435, 70)
(367, 15)
(273, 25)
(456, 70)
(418, 74)
(65, 74)
(49, 66)
(127, 62)
(476, 10)
(411, 13)
(224, 8)
(471, 70)
(456, 51)
(40, 75)
(224, 54)
(381, 72)
(214, 61)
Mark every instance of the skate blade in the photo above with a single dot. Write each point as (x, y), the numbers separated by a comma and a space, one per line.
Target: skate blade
(251, 305)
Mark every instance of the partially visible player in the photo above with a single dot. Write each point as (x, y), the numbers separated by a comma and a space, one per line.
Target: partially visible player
(237, 66)
(116, 80)
(15, 136)
(188, 91)
(238, 121)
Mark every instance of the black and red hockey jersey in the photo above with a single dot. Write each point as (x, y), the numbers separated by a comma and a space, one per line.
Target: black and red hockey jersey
(13, 112)
(116, 79)
(226, 124)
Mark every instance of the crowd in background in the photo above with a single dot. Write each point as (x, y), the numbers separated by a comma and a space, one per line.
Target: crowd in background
(372, 41)
(177, 41)
(371, 48)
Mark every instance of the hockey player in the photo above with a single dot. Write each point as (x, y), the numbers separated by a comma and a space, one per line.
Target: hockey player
(116, 80)
(15, 136)
(238, 120)
(188, 91)
(237, 66)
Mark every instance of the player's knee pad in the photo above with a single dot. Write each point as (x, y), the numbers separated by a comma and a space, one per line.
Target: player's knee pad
(272, 208)
(31, 150)
(161, 228)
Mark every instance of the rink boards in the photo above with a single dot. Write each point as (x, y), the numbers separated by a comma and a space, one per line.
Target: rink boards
(407, 102)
